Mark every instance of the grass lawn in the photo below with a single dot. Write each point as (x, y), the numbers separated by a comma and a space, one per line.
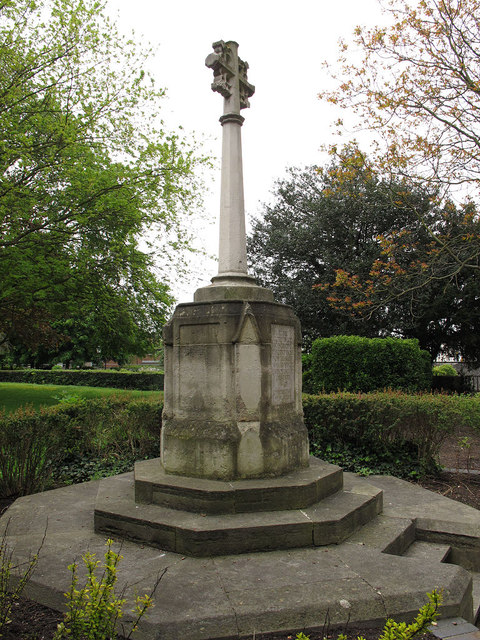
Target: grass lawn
(14, 395)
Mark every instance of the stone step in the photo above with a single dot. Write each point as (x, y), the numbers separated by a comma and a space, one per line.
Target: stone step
(388, 535)
(430, 551)
(476, 596)
(328, 522)
(454, 628)
(434, 552)
(294, 490)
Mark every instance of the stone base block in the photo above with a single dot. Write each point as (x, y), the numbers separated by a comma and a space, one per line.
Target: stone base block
(233, 391)
(295, 490)
(329, 521)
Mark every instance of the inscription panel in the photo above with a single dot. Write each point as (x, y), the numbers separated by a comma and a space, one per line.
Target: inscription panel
(206, 333)
(283, 364)
(199, 376)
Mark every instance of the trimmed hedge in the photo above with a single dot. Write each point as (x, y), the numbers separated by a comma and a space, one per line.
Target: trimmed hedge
(405, 431)
(144, 381)
(35, 444)
(353, 363)
(382, 432)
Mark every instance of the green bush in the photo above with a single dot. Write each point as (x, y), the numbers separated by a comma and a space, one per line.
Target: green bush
(36, 446)
(94, 610)
(143, 381)
(307, 378)
(30, 445)
(385, 432)
(352, 363)
(444, 370)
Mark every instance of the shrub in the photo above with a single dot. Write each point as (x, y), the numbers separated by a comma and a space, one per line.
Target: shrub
(444, 370)
(11, 588)
(353, 363)
(387, 432)
(307, 377)
(142, 381)
(36, 445)
(30, 446)
(94, 610)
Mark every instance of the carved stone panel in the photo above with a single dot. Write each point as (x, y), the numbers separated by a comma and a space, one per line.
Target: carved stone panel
(283, 364)
(199, 374)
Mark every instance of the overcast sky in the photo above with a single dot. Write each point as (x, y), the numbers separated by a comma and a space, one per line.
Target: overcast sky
(285, 44)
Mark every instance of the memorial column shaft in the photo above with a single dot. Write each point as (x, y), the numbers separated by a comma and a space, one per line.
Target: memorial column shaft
(232, 252)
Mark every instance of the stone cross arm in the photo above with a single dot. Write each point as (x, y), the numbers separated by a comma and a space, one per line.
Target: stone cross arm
(230, 76)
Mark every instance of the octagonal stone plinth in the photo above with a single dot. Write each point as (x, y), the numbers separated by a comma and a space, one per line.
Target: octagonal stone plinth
(295, 490)
(327, 521)
(233, 406)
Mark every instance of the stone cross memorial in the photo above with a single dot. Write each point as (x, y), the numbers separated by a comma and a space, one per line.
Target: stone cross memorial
(230, 80)
(232, 357)
(234, 474)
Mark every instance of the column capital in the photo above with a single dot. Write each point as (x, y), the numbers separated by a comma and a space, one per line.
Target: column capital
(232, 117)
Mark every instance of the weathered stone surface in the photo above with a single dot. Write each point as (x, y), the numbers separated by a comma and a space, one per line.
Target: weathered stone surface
(295, 490)
(233, 404)
(389, 535)
(232, 289)
(329, 521)
(236, 596)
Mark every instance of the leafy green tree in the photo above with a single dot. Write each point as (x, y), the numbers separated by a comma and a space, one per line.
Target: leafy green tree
(328, 223)
(94, 193)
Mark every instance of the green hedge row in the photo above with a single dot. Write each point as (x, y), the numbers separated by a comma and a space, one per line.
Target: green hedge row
(389, 432)
(353, 363)
(36, 445)
(144, 381)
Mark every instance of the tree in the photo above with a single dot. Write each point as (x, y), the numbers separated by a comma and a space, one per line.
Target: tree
(88, 173)
(415, 84)
(328, 222)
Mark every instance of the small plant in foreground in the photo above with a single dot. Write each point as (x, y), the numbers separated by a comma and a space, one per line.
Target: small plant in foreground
(94, 610)
(464, 445)
(10, 594)
(401, 630)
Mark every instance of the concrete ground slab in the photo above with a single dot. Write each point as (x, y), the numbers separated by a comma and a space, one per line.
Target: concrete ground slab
(451, 627)
(238, 595)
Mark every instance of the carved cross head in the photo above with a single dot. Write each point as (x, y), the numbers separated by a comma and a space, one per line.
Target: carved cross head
(230, 75)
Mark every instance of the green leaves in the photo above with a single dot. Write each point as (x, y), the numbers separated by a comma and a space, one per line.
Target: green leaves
(324, 219)
(94, 610)
(86, 170)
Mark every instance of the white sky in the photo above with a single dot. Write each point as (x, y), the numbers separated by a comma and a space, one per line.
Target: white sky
(285, 43)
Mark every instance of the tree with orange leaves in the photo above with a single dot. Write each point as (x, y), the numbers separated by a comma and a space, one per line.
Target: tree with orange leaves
(326, 223)
(416, 87)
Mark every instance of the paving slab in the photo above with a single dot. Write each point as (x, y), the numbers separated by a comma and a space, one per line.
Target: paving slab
(429, 551)
(451, 627)
(431, 511)
(387, 534)
(238, 595)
